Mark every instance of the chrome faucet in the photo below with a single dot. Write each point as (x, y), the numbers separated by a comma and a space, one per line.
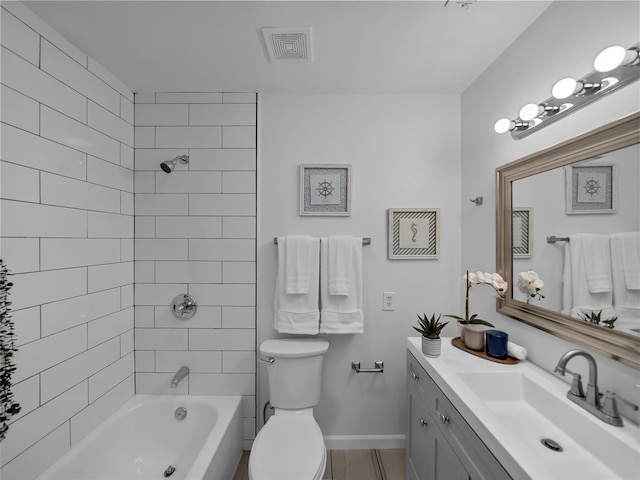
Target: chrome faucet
(592, 397)
(591, 400)
(180, 374)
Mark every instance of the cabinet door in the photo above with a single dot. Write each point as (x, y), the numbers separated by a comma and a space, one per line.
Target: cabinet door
(446, 465)
(429, 455)
(419, 449)
(472, 453)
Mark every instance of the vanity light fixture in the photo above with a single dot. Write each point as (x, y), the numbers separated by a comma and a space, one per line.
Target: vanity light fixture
(614, 66)
(616, 56)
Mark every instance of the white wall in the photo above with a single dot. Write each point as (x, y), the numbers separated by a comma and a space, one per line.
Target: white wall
(562, 42)
(195, 233)
(404, 152)
(67, 236)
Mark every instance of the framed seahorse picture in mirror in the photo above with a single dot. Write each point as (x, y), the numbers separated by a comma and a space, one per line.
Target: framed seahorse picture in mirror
(414, 233)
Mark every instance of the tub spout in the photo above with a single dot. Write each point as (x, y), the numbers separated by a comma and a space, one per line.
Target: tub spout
(180, 374)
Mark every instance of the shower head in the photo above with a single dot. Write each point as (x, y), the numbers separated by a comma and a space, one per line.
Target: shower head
(171, 164)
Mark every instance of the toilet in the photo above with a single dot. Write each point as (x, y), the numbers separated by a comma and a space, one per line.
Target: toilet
(290, 445)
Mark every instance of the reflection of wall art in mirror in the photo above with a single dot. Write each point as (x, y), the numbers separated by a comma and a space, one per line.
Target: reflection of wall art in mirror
(325, 190)
(619, 141)
(414, 233)
(590, 189)
(522, 223)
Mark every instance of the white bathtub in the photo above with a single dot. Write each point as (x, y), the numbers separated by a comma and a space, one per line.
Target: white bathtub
(143, 438)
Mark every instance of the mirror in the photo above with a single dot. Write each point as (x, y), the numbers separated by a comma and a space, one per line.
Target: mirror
(586, 185)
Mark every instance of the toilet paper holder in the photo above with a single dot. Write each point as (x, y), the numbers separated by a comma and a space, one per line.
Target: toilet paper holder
(378, 368)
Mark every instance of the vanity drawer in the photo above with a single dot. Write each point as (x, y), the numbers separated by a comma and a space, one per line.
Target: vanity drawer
(472, 452)
(418, 379)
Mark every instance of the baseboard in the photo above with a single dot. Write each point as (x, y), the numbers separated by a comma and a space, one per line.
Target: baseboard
(363, 442)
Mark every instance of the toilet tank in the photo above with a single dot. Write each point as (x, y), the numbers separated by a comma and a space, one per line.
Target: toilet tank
(296, 371)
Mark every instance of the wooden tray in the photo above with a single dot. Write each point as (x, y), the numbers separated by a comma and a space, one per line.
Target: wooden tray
(458, 343)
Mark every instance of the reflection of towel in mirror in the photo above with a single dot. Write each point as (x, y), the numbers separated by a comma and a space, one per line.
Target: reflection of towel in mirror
(587, 276)
(627, 249)
(297, 313)
(341, 313)
(595, 253)
(626, 300)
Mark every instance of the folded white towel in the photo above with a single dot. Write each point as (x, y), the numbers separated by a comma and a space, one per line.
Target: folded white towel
(578, 297)
(626, 301)
(297, 313)
(594, 252)
(342, 313)
(516, 351)
(340, 271)
(630, 243)
(567, 283)
(300, 252)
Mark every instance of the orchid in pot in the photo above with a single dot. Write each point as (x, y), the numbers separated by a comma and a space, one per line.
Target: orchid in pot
(472, 324)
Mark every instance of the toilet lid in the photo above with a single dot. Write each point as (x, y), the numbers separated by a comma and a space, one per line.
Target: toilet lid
(288, 448)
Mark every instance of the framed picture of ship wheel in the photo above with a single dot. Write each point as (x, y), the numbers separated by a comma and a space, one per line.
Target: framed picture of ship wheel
(325, 190)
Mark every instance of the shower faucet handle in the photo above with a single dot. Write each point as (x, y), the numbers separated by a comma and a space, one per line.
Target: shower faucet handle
(184, 306)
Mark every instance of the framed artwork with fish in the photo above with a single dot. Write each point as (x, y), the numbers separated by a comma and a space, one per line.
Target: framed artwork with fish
(414, 233)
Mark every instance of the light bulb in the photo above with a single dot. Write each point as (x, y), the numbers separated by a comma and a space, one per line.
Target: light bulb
(502, 126)
(530, 111)
(613, 57)
(564, 88)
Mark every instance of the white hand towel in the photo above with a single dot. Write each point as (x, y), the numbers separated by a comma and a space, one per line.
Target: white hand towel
(300, 252)
(626, 301)
(631, 259)
(297, 313)
(595, 254)
(583, 298)
(342, 313)
(340, 272)
(567, 284)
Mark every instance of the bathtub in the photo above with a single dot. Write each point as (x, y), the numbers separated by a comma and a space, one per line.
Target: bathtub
(143, 439)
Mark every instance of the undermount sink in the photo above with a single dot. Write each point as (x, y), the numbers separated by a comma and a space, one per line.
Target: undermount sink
(544, 421)
(514, 409)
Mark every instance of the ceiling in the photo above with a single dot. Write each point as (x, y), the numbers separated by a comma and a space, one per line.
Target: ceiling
(366, 47)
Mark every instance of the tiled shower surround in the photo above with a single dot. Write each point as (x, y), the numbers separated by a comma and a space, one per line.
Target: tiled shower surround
(195, 232)
(67, 235)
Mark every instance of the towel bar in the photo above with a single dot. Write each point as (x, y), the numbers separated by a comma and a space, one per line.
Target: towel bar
(379, 368)
(365, 240)
(554, 239)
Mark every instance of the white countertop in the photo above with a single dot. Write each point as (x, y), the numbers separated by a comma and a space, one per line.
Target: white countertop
(587, 441)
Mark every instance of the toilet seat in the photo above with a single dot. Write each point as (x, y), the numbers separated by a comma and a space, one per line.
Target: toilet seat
(288, 448)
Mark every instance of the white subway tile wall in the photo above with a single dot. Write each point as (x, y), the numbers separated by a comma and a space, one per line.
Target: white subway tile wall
(67, 228)
(195, 232)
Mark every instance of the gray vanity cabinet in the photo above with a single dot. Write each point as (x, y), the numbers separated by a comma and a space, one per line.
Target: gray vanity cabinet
(440, 444)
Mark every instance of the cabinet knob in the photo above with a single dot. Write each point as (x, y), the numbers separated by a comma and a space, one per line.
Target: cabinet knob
(414, 376)
(444, 418)
(423, 422)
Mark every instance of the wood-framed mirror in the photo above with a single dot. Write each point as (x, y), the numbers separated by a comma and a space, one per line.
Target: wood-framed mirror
(542, 185)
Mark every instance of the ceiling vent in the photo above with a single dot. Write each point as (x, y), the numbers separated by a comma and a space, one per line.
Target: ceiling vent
(288, 43)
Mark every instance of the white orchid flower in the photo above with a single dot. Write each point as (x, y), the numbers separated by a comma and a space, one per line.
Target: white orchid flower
(529, 282)
(499, 284)
(473, 278)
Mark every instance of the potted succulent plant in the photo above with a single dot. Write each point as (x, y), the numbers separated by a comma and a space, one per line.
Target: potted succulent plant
(430, 330)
